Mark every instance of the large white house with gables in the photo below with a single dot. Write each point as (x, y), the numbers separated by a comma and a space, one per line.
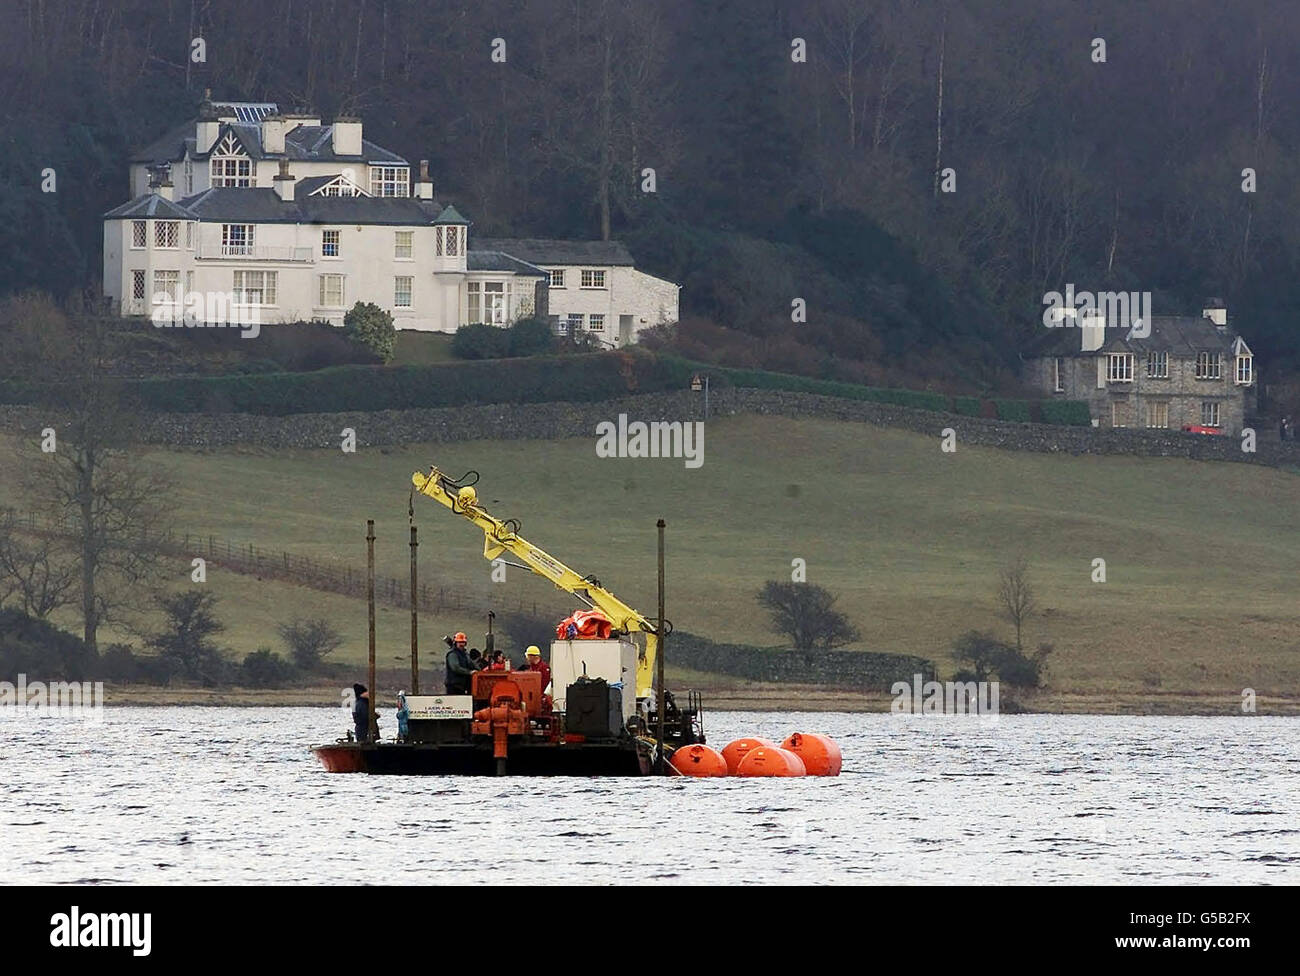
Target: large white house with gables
(285, 219)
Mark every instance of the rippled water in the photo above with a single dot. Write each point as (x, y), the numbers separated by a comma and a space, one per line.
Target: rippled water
(231, 795)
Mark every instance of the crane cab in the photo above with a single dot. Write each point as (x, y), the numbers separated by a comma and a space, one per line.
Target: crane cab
(613, 659)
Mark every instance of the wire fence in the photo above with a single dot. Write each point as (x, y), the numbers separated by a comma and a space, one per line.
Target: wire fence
(328, 576)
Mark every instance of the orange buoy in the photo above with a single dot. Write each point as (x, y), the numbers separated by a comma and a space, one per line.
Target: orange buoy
(820, 753)
(770, 761)
(699, 760)
(734, 752)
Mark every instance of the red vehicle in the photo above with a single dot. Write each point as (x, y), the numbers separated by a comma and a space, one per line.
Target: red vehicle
(1201, 429)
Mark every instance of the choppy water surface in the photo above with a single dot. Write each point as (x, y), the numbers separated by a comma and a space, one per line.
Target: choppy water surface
(231, 795)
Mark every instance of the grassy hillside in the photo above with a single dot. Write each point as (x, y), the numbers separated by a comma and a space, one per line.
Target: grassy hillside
(1200, 558)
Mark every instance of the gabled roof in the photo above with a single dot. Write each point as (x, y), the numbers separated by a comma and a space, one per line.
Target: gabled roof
(543, 252)
(150, 205)
(314, 184)
(260, 205)
(496, 261)
(303, 143)
(1182, 336)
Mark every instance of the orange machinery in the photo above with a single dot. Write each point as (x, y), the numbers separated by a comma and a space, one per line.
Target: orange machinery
(506, 703)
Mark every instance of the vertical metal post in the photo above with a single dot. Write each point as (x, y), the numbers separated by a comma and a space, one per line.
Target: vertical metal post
(415, 626)
(706, 396)
(370, 599)
(660, 662)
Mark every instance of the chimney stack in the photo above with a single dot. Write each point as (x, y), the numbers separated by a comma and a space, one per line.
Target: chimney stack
(160, 180)
(345, 134)
(282, 182)
(273, 135)
(1216, 312)
(424, 185)
(1092, 329)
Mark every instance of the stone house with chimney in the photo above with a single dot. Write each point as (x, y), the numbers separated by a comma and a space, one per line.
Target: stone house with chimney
(1190, 373)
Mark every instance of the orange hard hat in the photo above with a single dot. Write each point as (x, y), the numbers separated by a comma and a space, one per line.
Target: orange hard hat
(460, 636)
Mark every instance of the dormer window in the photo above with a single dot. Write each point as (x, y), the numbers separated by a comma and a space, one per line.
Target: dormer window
(340, 186)
(230, 165)
(1245, 370)
(389, 181)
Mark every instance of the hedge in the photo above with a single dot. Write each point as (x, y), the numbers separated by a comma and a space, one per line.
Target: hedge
(1017, 410)
(536, 379)
(1067, 412)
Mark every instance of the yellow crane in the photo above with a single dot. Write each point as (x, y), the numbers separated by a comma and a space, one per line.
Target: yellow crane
(502, 535)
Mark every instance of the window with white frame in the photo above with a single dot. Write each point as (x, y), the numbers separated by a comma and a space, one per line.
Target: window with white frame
(1118, 413)
(230, 165)
(389, 181)
(494, 302)
(166, 285)
(166, 233)
(453, 241)
(1058, 374)
(189, 282)
(189, 235)
(255, 287)
(1157, 413)
(573, 321)
(329, 243)
(402, 291)
(1210, 413)
(340, 186)
(557, 278)
(595, 322)
(331, 291)
(189, 176)
(1209, 366)
(402, 245)
(1119, 367)
(137, 285)
(593, 278)
(236, 239)
(139, 234)
(475, 298)
(437, 242)
(1158, 366)
(1245, 370)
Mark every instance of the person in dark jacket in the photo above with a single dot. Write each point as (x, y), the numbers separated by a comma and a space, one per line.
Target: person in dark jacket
(361, 712)
(459, 666)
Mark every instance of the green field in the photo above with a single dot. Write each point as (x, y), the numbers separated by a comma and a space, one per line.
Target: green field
(1201, 594)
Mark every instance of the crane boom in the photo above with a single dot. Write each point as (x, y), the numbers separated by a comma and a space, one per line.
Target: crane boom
(503, 536)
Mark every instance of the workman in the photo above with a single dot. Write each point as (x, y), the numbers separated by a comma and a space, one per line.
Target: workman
(459, 666)
(535, 663)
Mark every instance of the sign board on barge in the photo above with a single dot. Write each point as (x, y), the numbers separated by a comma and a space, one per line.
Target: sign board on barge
(439, 707)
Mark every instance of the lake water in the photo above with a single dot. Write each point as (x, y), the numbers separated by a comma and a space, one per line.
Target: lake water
(231, 795)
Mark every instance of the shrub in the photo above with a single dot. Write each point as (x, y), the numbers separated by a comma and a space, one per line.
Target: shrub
(265, 669)
(370, 327)
(1067, 412)
(310, 640)
(1016, 410)
(530, 337)
(966, 406)
(480, 341)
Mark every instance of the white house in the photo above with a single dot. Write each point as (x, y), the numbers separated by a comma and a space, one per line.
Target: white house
(252, 215)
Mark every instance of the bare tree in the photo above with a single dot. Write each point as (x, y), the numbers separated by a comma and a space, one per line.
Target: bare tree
(1016, 595)
(310, 640)
(37, 572)
(806, 614)
(96, 486)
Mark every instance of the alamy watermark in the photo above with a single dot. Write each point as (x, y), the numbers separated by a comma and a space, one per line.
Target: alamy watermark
(206, 309)
(52, 699)
(658, 439)
(1114, 309)
(923, 697)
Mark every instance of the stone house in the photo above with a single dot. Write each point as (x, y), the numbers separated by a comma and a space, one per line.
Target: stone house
(1184, 373)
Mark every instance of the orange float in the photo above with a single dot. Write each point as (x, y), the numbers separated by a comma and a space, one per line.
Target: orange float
(770, 761)
(699, 760)
(820, 753)
(734, 752)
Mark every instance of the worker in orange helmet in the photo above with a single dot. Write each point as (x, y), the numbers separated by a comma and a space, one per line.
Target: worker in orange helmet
(535, 663)
(459, 666)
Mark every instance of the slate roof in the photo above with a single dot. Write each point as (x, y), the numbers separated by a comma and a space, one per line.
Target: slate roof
(1182, 336)
(260, 205)
(497, 261)
(543, 252)
(304, 143)
(150, 205)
